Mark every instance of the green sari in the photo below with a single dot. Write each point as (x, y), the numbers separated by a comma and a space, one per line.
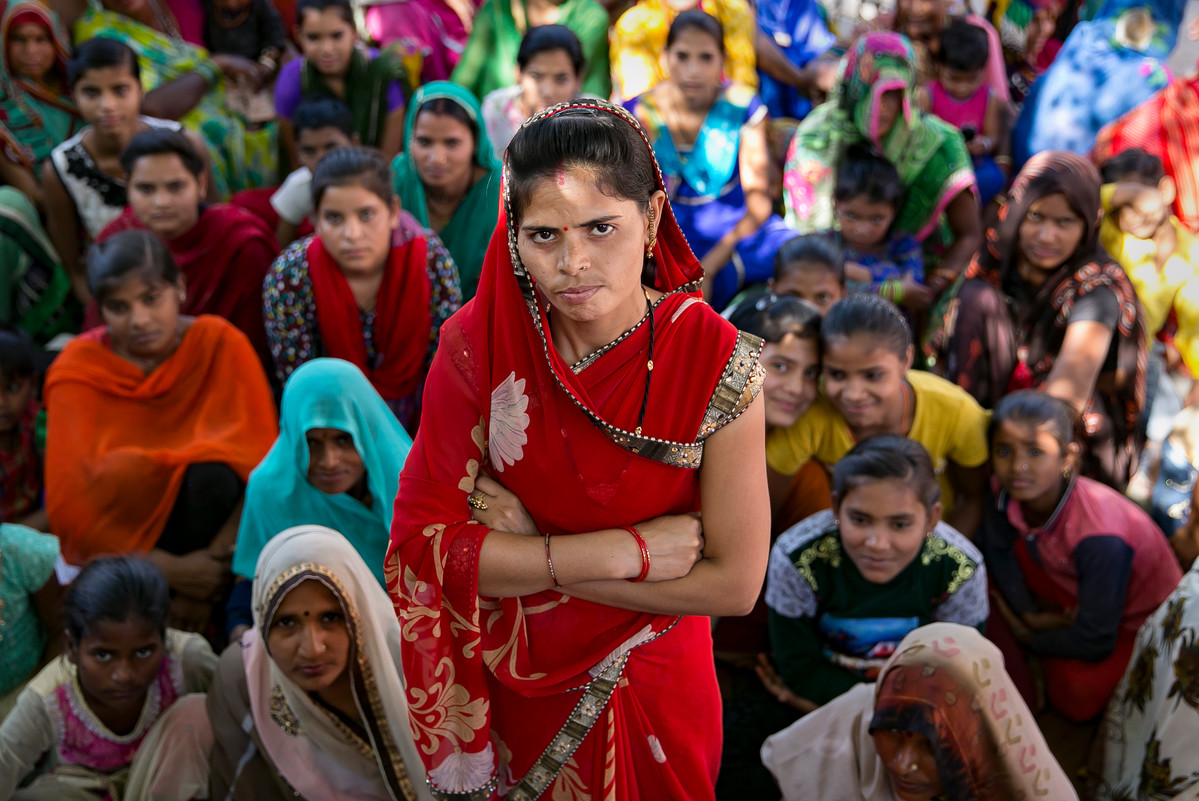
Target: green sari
(489, 61)
(36, 116)
(241, 158)
(35, 292)
(929, 154)
(468, 232)
(366, 87)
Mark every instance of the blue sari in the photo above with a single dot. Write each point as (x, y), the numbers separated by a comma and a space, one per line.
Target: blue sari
(800, 30)
(705, 190)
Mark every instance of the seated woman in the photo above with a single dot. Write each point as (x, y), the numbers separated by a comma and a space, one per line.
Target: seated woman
(334, 64)
(847, 584)
(639, 39)
(1045, 307)
(155, 422)
(549, 67)
(337, 462)
(1028, 32)
(311, 701)
(29, 596)
(1152, 723)
(489, 61)
(35, 104)
(35, 288)
(1078, 566)
(222, 251)
(873, 102)
(870, 388)
(710, 140)
(372, 287)
(448, 177)
(112, 718)
(944, 721)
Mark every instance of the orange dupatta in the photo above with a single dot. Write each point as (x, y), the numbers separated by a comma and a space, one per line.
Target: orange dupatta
(118, 441)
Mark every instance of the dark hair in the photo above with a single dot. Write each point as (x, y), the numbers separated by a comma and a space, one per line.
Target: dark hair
(1133, 163)
(694, 19)
(872, 315)
(116, 588)
(864, 171)
(772, 317)
(98, 53)
(964, 47)
(811, 248)
(886, 456)
(319, 6)
(16, 352)
(162, 142)
(448, 108)
(346, 166)
(1037, 410)
(610, 147)
(548, 38)
(109, 263)
(322, 112)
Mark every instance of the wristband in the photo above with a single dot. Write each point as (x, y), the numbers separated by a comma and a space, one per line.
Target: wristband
(550, 562)
(644, 554)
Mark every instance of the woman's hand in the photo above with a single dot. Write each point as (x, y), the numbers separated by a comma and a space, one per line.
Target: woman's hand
(234, 67)
(504, 510)
(675, 542)
(774, 685)
(189, 615)
(916, 296)
(202, 575)
(1049, 621)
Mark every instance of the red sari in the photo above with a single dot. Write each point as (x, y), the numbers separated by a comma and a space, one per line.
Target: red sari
(492, 681)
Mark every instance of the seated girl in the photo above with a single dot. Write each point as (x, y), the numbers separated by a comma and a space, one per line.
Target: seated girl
(710, 140)
(311, 701)
(812, 268)
(549, 71)
(155, 422)
(35, 104)
(337, 462)
(333, 64)
(1078, 566)
(944, 721)
(870, 388)
(1044, 306)
(847, 584)
(448, 177)
(21, 459)
(83, 180)
(112, 718)
(222, 251)
(29, 596)
(372, 287)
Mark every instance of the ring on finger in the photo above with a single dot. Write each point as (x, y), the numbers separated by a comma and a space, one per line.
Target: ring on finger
(477, 502)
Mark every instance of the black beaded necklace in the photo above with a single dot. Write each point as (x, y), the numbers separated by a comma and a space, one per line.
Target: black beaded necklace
(649, 310)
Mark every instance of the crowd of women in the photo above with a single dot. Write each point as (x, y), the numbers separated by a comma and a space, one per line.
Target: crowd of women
(427, 399)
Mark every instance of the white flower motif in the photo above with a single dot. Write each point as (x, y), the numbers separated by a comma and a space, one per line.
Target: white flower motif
(641, 637)
(506, 436)
(461, 772)
(655, 747)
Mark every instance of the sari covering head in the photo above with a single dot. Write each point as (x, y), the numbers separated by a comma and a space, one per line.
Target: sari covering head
(325, 393)
(516, 697)
(948, 683)
(469, 230)
(34, 116)
(317, 754)
(929, 154)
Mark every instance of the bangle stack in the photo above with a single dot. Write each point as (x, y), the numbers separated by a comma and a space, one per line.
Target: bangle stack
(892, 290)
(644, 554)
(550, 562)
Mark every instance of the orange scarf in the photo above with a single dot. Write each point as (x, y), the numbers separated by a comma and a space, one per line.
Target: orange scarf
(118, 441)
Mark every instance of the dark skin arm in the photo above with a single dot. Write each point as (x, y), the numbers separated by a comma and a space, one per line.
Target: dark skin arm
(174, 99)
(22, 178)
(1079, 362)
(38, 521)
(969, 493)
(963, 216)
(46, 603)
(62, 224)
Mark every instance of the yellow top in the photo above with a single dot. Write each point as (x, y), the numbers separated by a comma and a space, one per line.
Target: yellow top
(640, 38)
(948, 422)
(1173, 287)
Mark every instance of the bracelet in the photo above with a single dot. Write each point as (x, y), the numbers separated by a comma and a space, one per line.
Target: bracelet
(644, 554)
(892, 290)
(550, 561)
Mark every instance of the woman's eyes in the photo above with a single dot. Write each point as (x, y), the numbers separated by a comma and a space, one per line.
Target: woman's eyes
(875, 376)
(333, 617)
(102, 656)
(1004, 452)
(143, 653)
(121, 91)
(603, 229)
(285, 622)
(857, 520)
(367, 215)
(901, 525)
(542, 237)
(778, 367)
(812, 373)
(345, 441)
(333, 219)
(834, 375)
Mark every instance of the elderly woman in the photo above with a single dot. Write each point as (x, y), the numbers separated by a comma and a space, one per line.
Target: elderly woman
(944, 721)
(572, 379)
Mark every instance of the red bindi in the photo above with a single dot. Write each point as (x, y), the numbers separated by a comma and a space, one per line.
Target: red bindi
(566, 228)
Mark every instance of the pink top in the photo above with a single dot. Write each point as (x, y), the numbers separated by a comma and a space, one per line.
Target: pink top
(961, 114)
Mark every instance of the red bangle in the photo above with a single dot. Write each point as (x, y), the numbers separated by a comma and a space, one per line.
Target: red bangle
(550, 561)
(644, 554)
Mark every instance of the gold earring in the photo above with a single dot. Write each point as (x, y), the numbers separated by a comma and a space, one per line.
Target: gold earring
(653, 234)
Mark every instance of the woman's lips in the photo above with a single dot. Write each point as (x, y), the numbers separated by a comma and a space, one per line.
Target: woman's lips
(578, 295)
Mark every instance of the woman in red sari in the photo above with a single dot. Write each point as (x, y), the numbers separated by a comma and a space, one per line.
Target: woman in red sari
(587, 379)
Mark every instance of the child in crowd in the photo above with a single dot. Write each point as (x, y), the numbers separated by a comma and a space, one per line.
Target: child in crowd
(865, 201)
(21, 478)
(811, 268)
(847, 584)
(549, 71)
(961, 96)
(335, 65)
(253, 30)
(1078, 566)
(870, 388)
(321, 126)
(29, 596)
(110, 716)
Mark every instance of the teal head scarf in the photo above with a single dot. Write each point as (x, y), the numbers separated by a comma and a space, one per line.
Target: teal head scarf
(467, 233)
(325, 393)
